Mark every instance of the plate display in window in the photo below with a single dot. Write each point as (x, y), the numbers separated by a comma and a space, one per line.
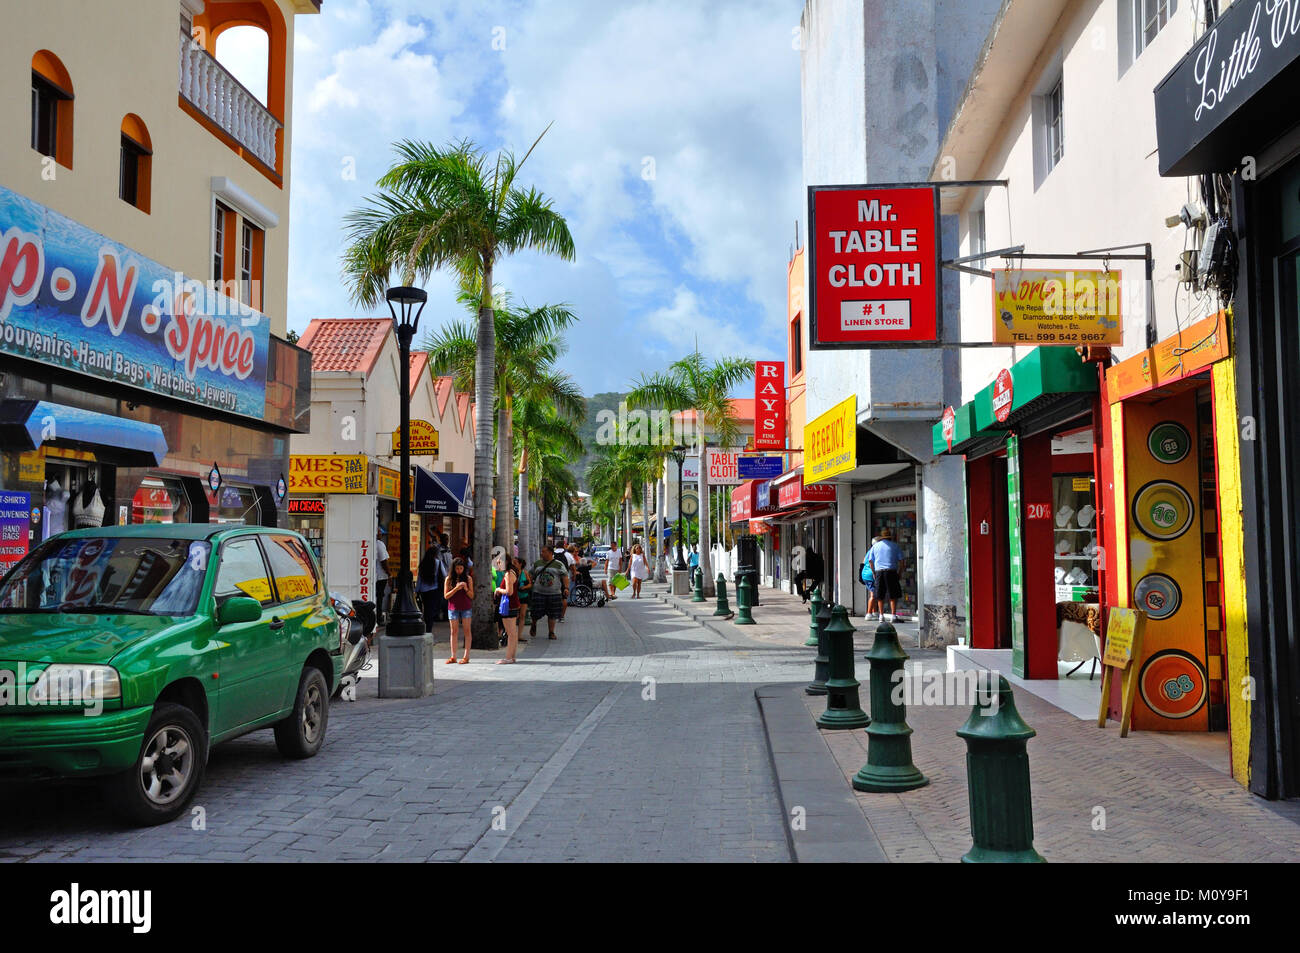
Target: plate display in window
(1169, 442)
(1163, 510)
(1173, 684)
(1158, 595)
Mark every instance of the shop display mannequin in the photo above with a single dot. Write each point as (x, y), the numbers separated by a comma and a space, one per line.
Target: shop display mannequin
(88, 508)
(55, 518)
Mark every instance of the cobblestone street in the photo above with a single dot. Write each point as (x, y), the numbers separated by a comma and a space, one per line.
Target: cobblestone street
(632, 737)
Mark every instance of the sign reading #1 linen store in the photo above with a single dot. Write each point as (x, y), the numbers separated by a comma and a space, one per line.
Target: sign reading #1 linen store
(74, 299)
(874, 265)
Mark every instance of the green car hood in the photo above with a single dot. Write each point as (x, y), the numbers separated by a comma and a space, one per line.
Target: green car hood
(75, 637)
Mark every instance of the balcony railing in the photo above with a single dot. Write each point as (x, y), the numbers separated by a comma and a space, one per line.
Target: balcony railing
(207, 85)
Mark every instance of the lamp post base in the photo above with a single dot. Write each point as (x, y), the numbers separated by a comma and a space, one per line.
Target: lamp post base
(681, 582)
(406, 666)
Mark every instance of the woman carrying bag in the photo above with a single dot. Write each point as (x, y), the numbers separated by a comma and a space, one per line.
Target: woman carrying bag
(507, 594)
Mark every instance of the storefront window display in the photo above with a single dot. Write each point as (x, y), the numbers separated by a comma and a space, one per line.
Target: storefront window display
(1074, 511)
(900, 519)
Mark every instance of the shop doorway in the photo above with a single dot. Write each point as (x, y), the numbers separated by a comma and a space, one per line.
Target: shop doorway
(75, 497)
(1001, 566)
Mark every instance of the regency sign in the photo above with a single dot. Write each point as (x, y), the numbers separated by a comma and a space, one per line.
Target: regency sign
(831, 442)
(74, 299)
(1238, 80)
(874, 265)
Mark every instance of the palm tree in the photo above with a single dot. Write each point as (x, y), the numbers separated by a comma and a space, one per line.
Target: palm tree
(454, 208)
(692, 383)
(542, 429)
(527, 346)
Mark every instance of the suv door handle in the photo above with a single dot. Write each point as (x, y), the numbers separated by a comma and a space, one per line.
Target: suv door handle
(276, 622)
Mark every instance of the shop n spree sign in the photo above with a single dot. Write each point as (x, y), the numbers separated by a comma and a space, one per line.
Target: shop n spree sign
(74, 299)
(1057, 307)
(874, 265)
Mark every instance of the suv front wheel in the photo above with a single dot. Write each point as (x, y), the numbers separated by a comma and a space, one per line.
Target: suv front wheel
(168, 770)
(303, 732)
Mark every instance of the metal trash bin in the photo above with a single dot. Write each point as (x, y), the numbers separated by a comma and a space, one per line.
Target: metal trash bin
(747, 563)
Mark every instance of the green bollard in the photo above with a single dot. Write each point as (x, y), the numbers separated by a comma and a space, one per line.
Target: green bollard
(743, 615)
(724, 608)
(842, 706)
(997, 776)
(822, 663)
(889, 746)
(699, 585)
(814, 610)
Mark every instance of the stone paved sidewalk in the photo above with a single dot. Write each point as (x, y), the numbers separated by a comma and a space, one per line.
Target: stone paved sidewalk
(1157, 804)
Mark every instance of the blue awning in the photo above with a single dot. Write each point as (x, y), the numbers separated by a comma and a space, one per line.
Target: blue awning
(28, 424)
(442, 493)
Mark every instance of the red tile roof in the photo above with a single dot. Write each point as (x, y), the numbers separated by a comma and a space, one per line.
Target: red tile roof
(419, 361)
(443, 388)
(345, 344)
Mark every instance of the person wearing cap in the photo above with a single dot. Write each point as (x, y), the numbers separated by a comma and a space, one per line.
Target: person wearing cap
(886, 561)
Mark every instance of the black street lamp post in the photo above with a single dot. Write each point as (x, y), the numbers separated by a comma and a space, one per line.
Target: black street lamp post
(406, 618)
(679, 454)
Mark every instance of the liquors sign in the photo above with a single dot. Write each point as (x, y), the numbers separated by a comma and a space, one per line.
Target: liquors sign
(74, 299)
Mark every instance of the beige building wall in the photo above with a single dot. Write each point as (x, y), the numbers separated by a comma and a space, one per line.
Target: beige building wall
(1105, 190)
(123, 57)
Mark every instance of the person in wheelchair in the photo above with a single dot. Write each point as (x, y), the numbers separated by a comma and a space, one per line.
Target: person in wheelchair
(585, 589)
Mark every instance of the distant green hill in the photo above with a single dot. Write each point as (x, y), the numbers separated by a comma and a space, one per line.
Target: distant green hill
(587, 430)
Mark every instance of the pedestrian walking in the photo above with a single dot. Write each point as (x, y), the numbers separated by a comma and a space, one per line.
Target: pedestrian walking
(524, 589)
(459, 590)
(550, 591)
(381, 575)
(886, 561)
(507, 594)
(868, 579)
(427, 585)
(640, 570)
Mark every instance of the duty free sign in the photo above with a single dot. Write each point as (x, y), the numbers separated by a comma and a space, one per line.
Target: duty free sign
(874, 265)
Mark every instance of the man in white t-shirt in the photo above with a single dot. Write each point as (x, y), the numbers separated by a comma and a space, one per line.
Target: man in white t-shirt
(381, 572)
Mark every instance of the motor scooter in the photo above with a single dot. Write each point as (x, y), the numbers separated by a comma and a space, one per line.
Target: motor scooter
(359, 619)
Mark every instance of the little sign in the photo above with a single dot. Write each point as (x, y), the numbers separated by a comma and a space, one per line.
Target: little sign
(1003, 395)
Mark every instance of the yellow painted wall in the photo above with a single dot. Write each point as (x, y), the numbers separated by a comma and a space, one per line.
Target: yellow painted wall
(1231, 549)
(123, 57)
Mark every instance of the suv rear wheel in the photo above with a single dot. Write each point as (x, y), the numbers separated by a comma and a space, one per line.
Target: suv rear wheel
(167, 772)
(303, 732)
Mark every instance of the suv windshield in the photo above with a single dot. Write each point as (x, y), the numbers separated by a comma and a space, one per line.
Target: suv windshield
(106, 575)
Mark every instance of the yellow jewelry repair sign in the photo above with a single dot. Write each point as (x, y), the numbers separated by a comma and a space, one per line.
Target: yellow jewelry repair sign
(1057, 307)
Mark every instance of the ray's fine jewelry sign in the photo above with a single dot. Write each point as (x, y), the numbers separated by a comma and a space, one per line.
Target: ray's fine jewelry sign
(874, 265)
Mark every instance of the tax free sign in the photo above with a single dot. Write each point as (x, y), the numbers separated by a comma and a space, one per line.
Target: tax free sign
(873, 265)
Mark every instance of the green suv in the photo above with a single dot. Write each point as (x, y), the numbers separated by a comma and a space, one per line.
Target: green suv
(127, 652)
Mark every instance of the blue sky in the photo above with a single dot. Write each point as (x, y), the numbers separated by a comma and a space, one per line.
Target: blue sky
(674, 155)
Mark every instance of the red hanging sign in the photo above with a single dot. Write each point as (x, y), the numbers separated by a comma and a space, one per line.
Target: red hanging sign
(949, 425)
(769, 405)
(1002, 396)
(874, 263)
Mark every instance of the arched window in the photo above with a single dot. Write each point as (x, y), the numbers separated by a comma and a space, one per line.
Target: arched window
(245, 51)
(135, 172)
(51, 108)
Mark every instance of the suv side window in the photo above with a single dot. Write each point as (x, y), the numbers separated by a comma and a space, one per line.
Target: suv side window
(242, 572)
(295, 575)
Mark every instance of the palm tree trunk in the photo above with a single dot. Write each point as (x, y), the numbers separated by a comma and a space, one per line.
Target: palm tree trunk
(525, 521)
(706, 566)
(483, 625)
(661, 507)
(505, 486)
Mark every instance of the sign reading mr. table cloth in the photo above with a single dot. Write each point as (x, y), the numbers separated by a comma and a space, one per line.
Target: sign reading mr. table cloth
(769, 405)
(874, 264)
(74, 299)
